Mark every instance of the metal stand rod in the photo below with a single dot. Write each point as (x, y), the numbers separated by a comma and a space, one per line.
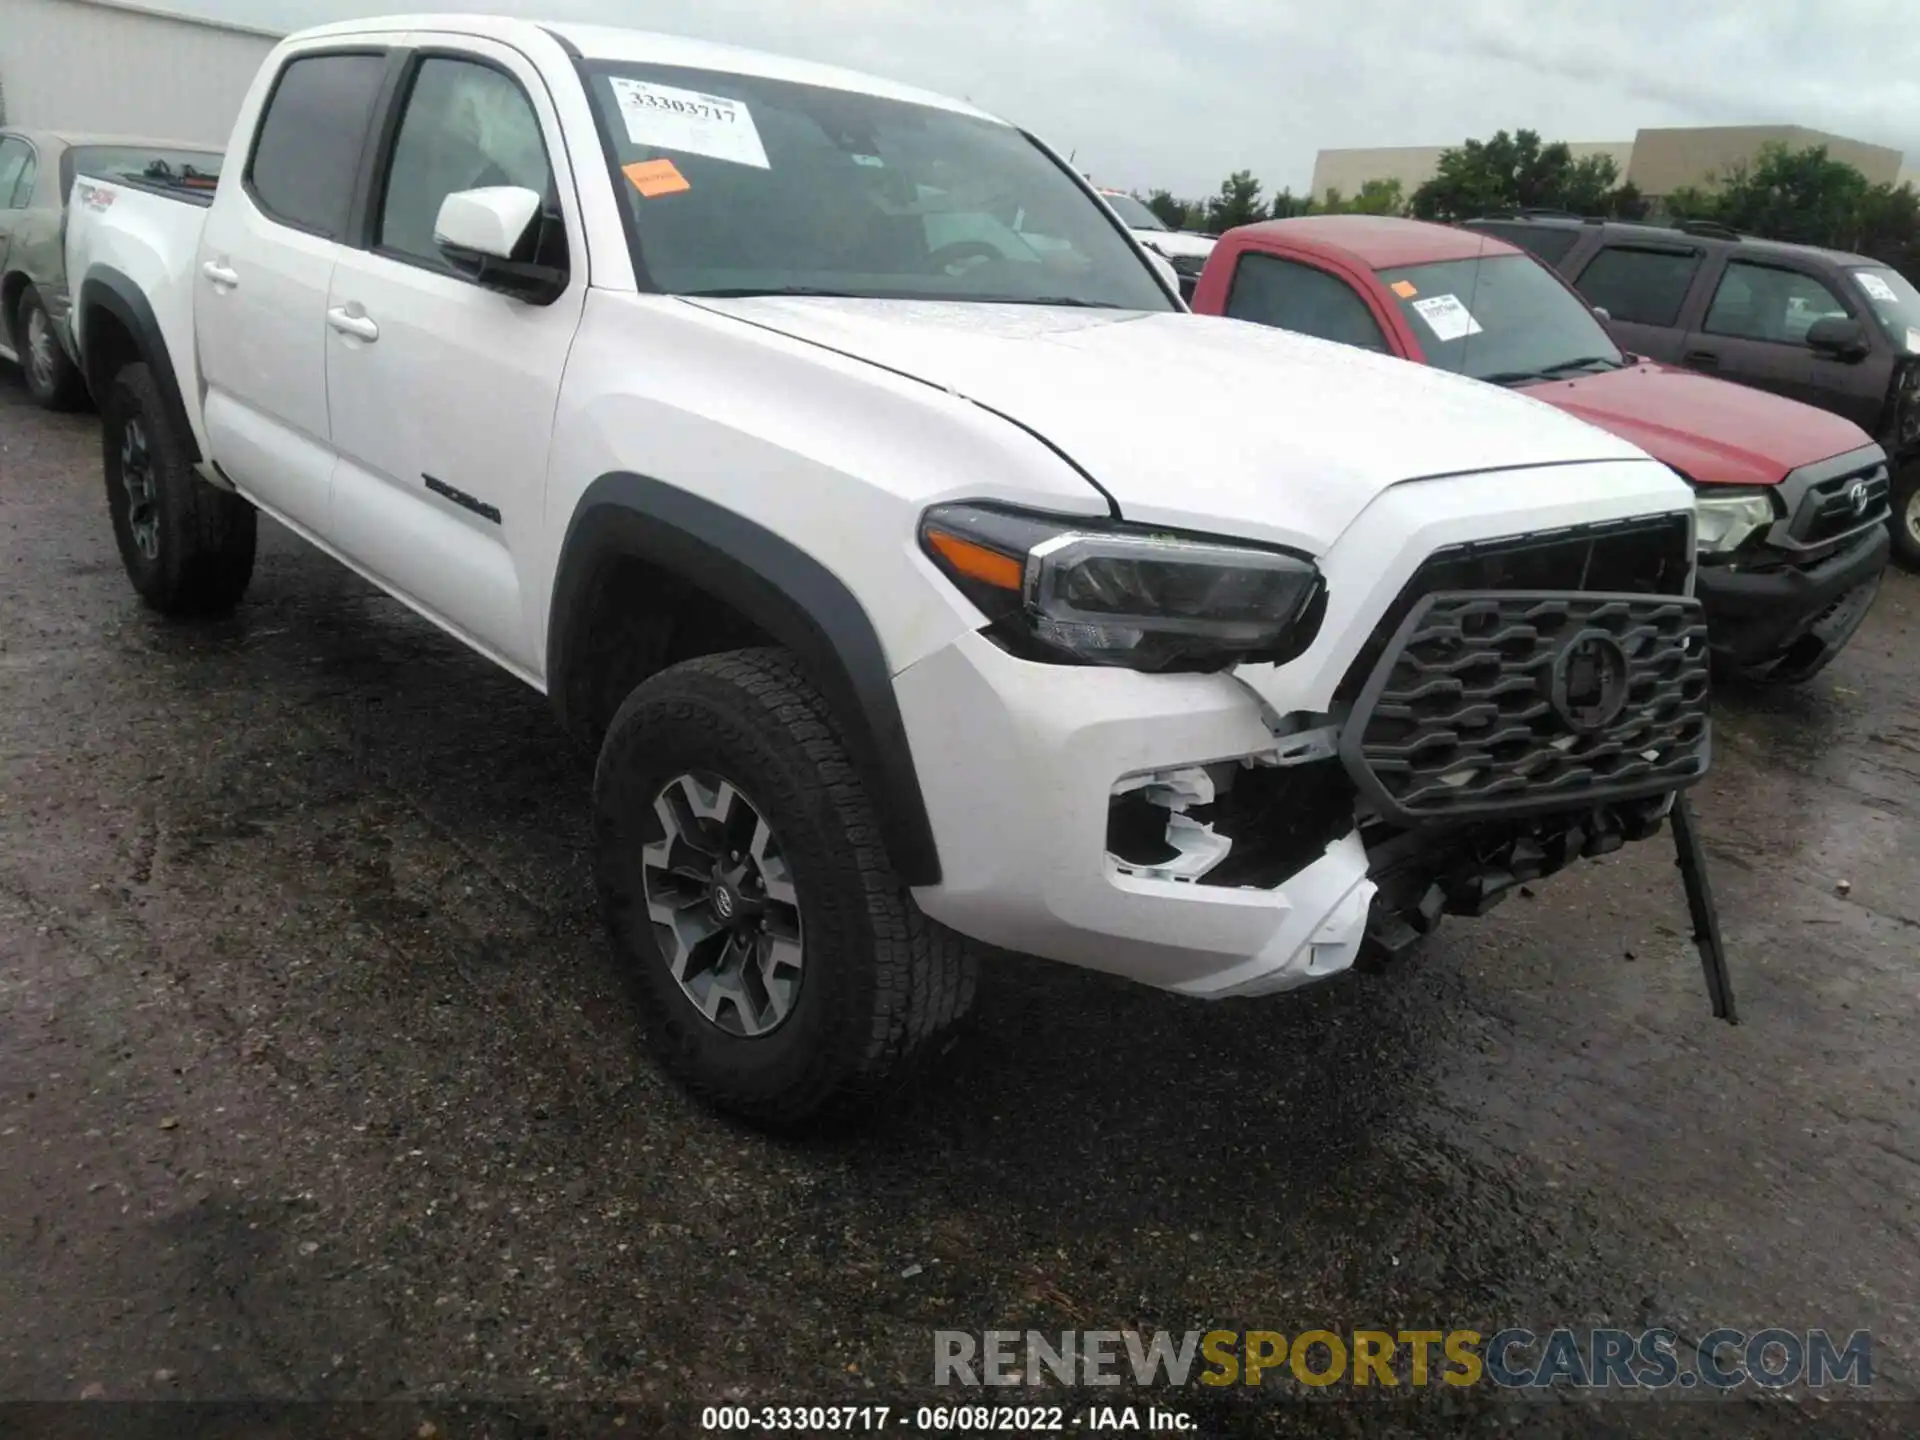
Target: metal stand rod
(1692, 861)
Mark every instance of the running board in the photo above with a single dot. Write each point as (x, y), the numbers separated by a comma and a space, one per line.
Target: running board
(8, 355)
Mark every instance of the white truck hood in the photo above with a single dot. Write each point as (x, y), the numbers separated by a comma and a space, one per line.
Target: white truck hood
(1195, 422)
(1176, 242)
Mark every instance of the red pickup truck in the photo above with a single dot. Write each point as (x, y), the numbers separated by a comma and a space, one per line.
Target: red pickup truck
(1792, 501)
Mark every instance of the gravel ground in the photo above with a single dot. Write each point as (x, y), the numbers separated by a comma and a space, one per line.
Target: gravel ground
(317, 1083)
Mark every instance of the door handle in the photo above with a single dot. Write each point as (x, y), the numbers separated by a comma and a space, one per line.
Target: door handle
(1704, 359)
(220, 274)
(360, 327)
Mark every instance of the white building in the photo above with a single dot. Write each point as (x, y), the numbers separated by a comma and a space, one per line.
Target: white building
(110, 66)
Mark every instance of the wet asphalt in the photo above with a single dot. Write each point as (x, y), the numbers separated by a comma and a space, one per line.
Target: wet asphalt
(317, 1083)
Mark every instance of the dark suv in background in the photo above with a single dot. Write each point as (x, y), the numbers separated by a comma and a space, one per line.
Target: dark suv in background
(1835, 330)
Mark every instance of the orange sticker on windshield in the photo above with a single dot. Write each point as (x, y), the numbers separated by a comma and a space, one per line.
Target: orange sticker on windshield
(1405, 289)
(655, 177)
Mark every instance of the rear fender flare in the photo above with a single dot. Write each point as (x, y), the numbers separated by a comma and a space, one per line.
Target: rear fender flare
(108, 291)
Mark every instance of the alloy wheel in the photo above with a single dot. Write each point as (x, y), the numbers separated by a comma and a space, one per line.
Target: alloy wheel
(136, 477)
(1912, 517)
(723, 905)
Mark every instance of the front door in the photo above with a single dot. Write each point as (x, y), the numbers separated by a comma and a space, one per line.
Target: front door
(441, 392)
(260, 281)
(1755, 332)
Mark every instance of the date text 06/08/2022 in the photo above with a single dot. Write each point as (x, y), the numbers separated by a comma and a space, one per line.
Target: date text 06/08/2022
(946, 1419)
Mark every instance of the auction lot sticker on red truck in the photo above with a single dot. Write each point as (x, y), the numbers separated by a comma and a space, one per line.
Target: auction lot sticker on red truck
(687, 121)
(1447, 317)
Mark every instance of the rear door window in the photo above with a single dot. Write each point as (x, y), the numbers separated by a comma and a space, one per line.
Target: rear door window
(1639, 285)
(1766, 302)
(308, 148)
(1283, 293)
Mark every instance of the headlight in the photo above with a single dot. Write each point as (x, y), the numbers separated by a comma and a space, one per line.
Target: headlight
(1105, 594)
(1726, 522)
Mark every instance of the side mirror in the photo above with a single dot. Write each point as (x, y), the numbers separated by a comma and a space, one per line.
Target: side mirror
(491, 235)
(1839, 337)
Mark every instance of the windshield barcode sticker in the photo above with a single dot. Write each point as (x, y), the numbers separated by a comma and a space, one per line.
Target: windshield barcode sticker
(1447, 317)
(1876, 288)
(687, 121)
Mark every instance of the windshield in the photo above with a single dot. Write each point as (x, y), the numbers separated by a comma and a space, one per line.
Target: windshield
(741, 185)
(1500, 317)
(1132, 211)
(1895, 304)
(188, 169)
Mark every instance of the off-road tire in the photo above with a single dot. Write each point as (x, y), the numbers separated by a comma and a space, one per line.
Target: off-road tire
(205, 536)
(881, 982)
(59, 385)
(1906, 517)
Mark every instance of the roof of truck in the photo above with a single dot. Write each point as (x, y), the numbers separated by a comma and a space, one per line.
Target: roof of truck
(1382, 242)
(615, 43)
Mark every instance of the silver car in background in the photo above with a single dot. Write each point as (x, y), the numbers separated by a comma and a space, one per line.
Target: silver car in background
(37, 168)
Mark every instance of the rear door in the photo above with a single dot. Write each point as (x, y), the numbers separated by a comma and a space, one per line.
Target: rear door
(442, 393)
(1643, 286)
(261, 280)
(1754, 330)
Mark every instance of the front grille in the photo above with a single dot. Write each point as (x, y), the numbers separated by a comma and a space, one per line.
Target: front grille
(1842, 504)
(1645, 556)
(1524, 702)
(1831, 508)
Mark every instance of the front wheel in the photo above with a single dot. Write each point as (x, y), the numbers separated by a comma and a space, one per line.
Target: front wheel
(784, 971)
(187, 547)
(1906, 517)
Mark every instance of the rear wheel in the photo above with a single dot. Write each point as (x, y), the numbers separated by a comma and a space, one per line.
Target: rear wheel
(1906, 517)
(52, 379)
(187, 547)
(784, 972)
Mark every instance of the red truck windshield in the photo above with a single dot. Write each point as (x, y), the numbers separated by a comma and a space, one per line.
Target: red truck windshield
(1501, 318)
(744, 185)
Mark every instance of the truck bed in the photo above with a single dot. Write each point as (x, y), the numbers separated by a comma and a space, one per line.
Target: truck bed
(141, 241)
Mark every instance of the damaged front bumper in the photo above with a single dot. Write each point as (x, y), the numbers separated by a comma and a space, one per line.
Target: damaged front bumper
(1064, 757)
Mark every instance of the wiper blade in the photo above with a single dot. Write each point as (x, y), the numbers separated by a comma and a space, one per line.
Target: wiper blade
(1070, 301)
(1581, 363)
(1511, 377)
(748, 292)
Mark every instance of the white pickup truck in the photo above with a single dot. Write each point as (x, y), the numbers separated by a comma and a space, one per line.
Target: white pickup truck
(923, 573)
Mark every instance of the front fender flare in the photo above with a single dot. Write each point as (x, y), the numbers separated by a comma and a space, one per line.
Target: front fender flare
(784, 592)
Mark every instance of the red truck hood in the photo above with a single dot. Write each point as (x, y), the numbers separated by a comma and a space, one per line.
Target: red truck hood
(1710, 430)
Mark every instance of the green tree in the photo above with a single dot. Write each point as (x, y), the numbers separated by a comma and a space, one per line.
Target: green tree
(1513, 172)
(1172, 213)
(1238, 203)
(1804, 196)
(1378, 197)
(1286, 205)
(1627, 203)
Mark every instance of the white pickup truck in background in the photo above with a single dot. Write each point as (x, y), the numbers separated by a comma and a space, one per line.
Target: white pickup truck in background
(805, 439)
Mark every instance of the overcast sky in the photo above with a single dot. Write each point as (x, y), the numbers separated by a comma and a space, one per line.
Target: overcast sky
(1177, 93)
